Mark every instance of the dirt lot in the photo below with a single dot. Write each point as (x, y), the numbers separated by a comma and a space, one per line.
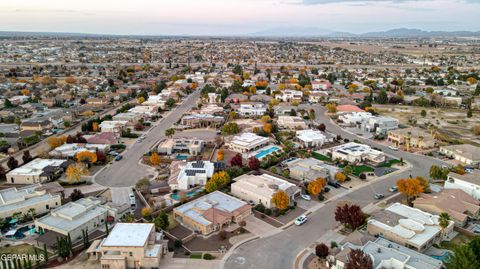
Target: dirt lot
(450, 122)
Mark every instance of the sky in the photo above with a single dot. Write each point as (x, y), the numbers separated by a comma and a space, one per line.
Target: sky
(234, 17)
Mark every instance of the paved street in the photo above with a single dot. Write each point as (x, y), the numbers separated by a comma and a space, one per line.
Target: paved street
(279, 251)
(128, 171)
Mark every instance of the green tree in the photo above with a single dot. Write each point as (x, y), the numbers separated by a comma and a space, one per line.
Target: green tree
(382, 97)
(161, 221)
(444, 219)
(463, 258)
(169, 132)
(423, 113)
(230, 128)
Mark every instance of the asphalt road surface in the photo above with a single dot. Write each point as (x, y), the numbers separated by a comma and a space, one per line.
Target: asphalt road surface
(279, 251)
(128, 171)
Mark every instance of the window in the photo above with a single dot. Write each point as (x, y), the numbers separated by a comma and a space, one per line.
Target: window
(105, 266)
(130, 254)
(47, 206)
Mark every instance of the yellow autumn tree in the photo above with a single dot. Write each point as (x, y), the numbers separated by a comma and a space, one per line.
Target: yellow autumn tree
(75, 172)
(313, 188)
(155, 159)
(25, 92)
(220, 155)
(341, 177)
(146, 212)
(86, 157)
(95, 126)
(410, 187)
(54, 142)
(281, 200)
(331, 108)
(141, 99)
(265, 119)
(267, 128)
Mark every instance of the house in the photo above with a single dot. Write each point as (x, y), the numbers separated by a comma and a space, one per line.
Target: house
(252, 109)
(129, 117)
(341, 109)
(130, 245)
(260, 189)
(111, 126)
(310, 169)
(202, 120)
(380, 125)
(355, 153)
(408, 226)
(70, 150)
(146, 112)
(323, 85)
(354, 118)
(39, 197)
(289, 95)
(186, 175)
(158, 101)
(107, 138)
(291, 122)
(317, 97)
(411, 138)
(170, 146)
(212, 109)
(211, 212)
(464, 153)
(285, 109)
(385, 254)
(469, 183)
(74, 217)
(97, 102)
(312, 138)
(247, 142)
(37, 171)
(457, 203)
(36, 125)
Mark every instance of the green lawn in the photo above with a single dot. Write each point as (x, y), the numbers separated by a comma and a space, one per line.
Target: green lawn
(20, 249)
(357, 170)
(321, 157)
(196, 256)
(389, 163)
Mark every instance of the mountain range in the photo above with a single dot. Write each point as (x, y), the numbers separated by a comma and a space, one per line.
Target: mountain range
(394, 33)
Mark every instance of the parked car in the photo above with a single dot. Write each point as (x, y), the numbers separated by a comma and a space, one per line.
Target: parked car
(393, 148)
(336, 185)
(379, 196)
(118, 158)
(393, 189)
(306, 197)
(301, 220)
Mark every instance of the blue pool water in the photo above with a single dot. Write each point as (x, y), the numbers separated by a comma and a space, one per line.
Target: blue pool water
(181, 157)
(175, 196)
(442, 258)
(264, 153)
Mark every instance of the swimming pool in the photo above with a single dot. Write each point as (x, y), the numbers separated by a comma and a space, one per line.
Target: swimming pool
(266, 152)
(181, 157)
(442, 257)
(176, 196)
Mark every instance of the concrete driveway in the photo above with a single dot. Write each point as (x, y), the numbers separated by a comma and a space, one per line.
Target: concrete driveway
(257, 226)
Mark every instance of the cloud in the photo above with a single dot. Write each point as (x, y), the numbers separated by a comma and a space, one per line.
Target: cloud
(359, 2)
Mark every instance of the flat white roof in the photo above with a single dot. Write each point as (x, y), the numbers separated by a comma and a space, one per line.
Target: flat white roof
(128, 235)
(36, 166)
(310, 135)
(247, 139)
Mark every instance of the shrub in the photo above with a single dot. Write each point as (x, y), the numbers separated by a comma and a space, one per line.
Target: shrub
(363, 176)
(208, 256)
(276, 212)
(268, 212)
(326, 190)
(177, 243)
(320, 197)
(333, 244)
(260, 208)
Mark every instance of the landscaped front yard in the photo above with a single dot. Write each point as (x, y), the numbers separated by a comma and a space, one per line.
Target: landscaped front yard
(358, 169)
(321, 157)
(389, 163)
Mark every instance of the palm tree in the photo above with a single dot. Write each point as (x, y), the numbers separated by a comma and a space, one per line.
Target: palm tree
(444, 220)
(31, 213)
